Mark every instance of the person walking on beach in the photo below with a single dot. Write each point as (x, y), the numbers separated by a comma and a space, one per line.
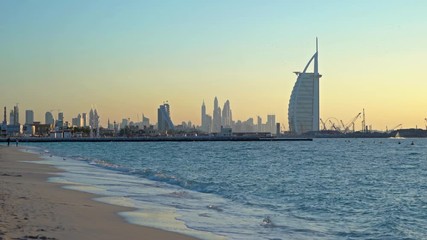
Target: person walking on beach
(8, 141)
(17, 141)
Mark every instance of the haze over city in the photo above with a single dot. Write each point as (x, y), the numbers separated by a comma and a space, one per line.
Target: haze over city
(126, 58)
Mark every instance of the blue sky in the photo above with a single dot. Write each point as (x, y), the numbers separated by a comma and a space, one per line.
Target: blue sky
(126, 57)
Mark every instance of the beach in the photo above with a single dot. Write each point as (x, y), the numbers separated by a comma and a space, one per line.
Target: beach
(33, 208)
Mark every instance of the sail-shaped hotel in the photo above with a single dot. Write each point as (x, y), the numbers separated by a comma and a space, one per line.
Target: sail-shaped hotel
(303, 110)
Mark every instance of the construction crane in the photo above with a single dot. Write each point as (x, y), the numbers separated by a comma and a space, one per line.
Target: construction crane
(351, 123)
(343, 125)
(347, 126)
(399, 125)
(323, 125)
(334, 127)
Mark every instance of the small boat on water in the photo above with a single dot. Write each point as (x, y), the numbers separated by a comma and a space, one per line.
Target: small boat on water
(397, 136)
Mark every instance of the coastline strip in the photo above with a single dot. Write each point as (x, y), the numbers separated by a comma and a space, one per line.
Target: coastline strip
(31, 207)
(157, 139)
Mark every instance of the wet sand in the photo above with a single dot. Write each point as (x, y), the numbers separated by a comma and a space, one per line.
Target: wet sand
(32, 208)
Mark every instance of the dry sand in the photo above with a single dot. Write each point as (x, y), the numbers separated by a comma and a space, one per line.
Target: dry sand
(32, 208)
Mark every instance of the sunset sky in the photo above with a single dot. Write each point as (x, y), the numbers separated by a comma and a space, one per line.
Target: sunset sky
(127, 57)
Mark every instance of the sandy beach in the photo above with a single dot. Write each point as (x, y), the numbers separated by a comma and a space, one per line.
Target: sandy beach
(32, 208)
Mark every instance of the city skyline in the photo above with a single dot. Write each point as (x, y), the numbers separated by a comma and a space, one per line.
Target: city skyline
(123, 58)
(92, 119)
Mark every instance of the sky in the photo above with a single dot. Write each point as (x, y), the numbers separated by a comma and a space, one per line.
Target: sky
(127, 57)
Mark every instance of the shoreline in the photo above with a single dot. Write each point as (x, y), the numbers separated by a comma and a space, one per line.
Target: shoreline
(32, 207)
(158, 139)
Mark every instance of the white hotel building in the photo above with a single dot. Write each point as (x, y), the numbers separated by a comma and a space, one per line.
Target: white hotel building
(303, 111)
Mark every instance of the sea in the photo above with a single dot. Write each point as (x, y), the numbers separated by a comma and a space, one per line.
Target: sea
(324, 189)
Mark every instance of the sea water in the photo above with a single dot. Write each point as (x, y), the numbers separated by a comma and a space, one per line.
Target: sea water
(325, 189)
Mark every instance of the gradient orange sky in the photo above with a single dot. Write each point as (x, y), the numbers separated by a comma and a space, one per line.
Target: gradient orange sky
(127, 57)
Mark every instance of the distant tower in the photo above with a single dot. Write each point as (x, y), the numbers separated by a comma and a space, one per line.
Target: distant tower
(48, 118)
(79, 120)
(29, 117)
(4, 117)
(204, 119)
(96, 123)
(84, 116)
(259, 124)
(14, 116)
(271, 123)
(60, 121)
(91, 122)
(303, 111)
(216, 117)
(145, 121)
(227, 118)
(164, 122)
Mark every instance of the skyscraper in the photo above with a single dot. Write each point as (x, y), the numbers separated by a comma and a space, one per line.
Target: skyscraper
(164, 122)
(84, 116)
(29, 117)
(227, 118)
(303, 110)
(48, 118)
(216, 122)
(12, 117)
(203, 117)
(79, 120)
(91, 117)
(16, 115)
(93, 122)
(206, 120)
(271, 123)
(145, 121)
(60, 121)
(4, 116)
(259, 124)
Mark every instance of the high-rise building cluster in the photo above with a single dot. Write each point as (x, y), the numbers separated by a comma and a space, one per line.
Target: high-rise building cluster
(79, 121)
(88, 124)
(50, 127)
(220, 119)
(14, 116)
(224, 119)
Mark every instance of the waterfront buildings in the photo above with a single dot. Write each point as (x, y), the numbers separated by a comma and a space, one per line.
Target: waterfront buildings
(60, 121)
(203, 127)
(4, 117)
(48, 118)
(145, 121)
(84, 117)
(303, 110)
(227, 119)
(271, 123)
(164, 121)
(125, 123)
(219, 119)
(77, 121)
(224, 119)
(93, 122)
(14, 116)
(216, 124)
(206, 120)
(29, 117)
